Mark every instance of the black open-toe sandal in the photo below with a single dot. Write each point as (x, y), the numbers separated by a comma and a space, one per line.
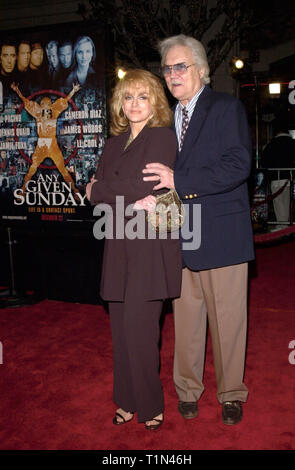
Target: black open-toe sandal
(153, 427)
(124, 421)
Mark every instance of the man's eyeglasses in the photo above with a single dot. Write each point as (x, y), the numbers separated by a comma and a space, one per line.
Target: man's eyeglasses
(177, 68)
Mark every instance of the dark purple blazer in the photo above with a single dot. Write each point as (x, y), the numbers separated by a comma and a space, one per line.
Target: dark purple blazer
(157, 262)
(212, 170)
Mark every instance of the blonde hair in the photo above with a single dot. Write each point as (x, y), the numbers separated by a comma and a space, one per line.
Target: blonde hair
(197, 48)
(161, 112)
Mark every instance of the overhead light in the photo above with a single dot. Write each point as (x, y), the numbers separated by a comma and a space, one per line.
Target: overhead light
(238, 63)
(121, 73)
(274, 88)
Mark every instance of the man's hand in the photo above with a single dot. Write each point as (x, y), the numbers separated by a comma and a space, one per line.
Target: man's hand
(14, 87)
(76, 87)
(162, 173)
(89, 187)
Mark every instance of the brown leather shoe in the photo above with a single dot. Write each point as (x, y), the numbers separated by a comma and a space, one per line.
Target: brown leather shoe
(232, 412)
(188, 409)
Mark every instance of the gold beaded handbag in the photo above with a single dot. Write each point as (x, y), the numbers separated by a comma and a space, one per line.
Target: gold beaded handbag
(169, 213)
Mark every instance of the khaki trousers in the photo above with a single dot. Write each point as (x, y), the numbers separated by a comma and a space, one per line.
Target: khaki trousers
(221, 296)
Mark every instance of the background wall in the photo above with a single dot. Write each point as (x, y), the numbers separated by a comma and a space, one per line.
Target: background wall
(16, 14)
(56, 263)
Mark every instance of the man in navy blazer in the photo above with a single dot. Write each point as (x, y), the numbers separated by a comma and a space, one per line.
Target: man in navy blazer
(211, 170)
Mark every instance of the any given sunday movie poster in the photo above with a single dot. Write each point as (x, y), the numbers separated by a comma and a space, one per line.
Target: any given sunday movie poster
(52, 121)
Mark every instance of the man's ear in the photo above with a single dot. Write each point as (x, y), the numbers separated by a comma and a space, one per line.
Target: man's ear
(202, 72)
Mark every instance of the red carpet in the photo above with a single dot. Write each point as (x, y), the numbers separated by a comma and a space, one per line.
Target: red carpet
(56, 376)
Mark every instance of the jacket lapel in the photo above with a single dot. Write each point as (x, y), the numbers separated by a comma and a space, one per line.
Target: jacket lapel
(134, 143)
(196, 123)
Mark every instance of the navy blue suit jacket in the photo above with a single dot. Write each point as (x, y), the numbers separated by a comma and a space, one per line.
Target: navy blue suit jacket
(212, 170)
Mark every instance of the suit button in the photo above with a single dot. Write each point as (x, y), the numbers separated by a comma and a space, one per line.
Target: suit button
(186, 196)
(116, 172)
(195, 195)
(191, 196)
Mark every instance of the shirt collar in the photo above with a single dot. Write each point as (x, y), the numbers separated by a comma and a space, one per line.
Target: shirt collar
(192, 103)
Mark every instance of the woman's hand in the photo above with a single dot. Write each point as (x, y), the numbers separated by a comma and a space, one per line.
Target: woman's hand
(89, 187)
(148, 203)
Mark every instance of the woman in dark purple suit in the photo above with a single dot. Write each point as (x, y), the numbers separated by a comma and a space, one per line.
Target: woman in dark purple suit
(138, 273)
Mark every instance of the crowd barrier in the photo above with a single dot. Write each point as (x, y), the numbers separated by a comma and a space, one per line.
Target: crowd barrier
(272, 208)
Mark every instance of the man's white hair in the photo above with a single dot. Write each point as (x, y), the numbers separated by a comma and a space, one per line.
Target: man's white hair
(197, 48)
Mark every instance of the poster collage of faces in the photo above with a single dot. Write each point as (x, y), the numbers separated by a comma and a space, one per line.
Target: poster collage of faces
(52, 117)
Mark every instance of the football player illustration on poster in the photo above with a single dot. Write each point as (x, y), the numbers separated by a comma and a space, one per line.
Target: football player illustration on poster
(46, 114)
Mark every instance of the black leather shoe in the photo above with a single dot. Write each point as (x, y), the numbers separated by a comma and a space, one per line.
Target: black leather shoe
(188, 409)
(232, 412)
(153, 427)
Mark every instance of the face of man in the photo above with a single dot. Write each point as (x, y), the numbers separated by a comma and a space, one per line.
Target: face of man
(46, 103)
(185, 85)
(65, 56)
(53, 57)
(36, 58)
(23, 58)
(7, 59)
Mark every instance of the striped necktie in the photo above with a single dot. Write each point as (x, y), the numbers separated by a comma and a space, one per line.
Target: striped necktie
(184, 126)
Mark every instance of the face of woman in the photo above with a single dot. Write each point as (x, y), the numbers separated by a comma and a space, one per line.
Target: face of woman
(136, 105)
(84, 54)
